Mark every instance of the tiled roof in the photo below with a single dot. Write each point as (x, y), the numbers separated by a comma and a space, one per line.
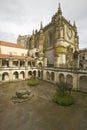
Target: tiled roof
(5, 56)
(3, 43)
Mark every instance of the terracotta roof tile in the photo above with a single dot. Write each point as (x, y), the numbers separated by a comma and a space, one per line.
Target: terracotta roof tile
(3, 43)
(5, 56)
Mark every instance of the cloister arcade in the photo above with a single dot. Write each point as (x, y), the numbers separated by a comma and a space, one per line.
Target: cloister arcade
(77, 80)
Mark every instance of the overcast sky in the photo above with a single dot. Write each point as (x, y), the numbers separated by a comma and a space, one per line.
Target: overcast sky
(22, 16)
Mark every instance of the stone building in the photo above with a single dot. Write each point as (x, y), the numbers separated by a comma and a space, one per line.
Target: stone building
(15, 64)
(57, 41)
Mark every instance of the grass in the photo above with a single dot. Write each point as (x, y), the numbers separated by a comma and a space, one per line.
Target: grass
(33, 82)
(63, 100)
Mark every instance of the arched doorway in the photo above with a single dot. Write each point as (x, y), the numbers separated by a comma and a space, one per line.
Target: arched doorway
(61, 78)
(83, 82)
(15, 75)
(34, 73)
(29, 74)
(5, 76)
(69, 79)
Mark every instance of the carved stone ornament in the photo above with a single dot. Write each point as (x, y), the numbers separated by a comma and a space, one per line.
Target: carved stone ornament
(69, 32)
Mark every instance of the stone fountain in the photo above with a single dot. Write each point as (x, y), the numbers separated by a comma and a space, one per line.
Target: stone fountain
(22, 95)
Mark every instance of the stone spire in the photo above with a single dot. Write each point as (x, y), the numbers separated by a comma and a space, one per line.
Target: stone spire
(74, 24)
(59, 10)
(41, 26)
(33, 39)
(32, 32)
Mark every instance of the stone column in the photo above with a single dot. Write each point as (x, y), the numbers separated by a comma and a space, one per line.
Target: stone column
(44, 75)
(0, 62)
(26, 64)
(26, 74)
(10, 75)
(45, 62)
(75, 81)
(37, 74)
(26, 68)
(56, 77)
(10, 62)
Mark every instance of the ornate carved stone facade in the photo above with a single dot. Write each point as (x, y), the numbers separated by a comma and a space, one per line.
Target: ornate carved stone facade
(57, 41)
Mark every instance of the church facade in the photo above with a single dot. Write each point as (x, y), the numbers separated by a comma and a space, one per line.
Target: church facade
(57, 41)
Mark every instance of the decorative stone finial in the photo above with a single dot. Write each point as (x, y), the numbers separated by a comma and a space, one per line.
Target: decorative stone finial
(41, 26)
(74, 24)
(33, 32)
(59, 10)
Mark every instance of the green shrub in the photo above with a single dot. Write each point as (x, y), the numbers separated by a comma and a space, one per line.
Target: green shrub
(63, 95)
(64, 100)
(64, 88)
(33, 82)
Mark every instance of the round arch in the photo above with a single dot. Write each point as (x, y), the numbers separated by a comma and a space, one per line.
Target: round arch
(34, 73)
(5, 76)
(29, 74)
(15, 75)
(83, 82)
(69, 79)
(61, 78)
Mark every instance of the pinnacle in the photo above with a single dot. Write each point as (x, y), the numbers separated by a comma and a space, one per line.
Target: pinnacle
(59, 10)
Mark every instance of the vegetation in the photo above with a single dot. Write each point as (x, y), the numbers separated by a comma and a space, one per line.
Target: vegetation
(63, 95)
(33, 82)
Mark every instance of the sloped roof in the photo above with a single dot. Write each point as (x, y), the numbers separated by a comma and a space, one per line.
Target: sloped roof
(5, 56)
(3, 43)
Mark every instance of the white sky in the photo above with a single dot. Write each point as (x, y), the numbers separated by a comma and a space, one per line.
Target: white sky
(22, 16)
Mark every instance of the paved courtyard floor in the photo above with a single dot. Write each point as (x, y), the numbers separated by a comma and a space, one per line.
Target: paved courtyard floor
(40, 113)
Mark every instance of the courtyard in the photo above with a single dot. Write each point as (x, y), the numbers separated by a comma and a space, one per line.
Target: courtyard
(40, 113)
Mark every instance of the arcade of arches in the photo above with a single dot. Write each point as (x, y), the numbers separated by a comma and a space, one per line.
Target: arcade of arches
(78, 81)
